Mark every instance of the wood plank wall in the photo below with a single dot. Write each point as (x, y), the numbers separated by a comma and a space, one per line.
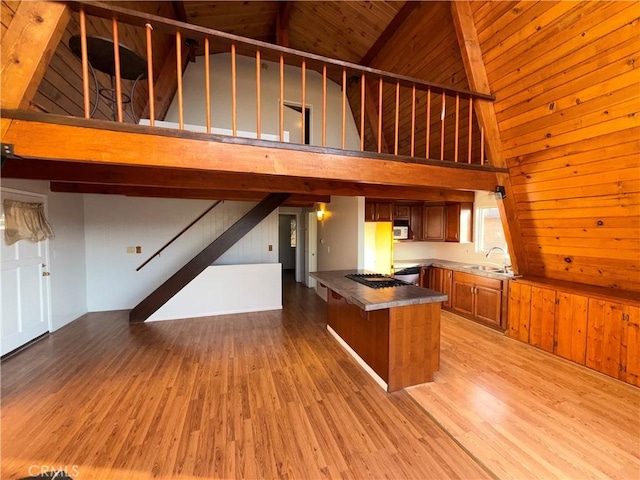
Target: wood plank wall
(424, 47)
(60, 91)
(566, 79)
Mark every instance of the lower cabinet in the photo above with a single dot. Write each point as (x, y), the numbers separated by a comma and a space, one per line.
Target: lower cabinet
(593, 331)
(478, 297)
(440, 280)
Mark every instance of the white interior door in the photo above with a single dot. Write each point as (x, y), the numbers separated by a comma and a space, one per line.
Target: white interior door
(24, 284)
(311, 240)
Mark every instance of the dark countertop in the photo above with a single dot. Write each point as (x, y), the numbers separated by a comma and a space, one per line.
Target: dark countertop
(368, 298)
(457, 266)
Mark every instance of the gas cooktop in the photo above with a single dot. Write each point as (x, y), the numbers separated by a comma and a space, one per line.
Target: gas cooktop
(376, 280)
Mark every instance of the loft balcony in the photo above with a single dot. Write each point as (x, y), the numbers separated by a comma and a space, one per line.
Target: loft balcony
(143, 119)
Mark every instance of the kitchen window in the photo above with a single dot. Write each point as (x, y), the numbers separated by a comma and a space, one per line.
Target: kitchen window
(489, 229)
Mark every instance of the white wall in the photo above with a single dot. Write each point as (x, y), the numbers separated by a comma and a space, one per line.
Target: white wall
(458, 252)
(113, 223)
(66, 250)
(341, 236)
(220, 68)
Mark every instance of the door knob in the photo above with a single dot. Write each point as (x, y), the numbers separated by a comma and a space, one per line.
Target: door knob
(46, 274)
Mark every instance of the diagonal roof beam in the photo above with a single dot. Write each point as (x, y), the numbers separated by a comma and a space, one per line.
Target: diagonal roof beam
(486, 114)
(388, 32)
(282, 23)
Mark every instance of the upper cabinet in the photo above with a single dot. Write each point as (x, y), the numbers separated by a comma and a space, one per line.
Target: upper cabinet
(433, 224)
(378, 211)
(459, 222)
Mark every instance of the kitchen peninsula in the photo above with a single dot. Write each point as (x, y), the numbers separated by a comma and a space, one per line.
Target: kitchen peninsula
(394, 332)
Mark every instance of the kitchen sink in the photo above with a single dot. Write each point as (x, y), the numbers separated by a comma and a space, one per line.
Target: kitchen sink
(485, 268)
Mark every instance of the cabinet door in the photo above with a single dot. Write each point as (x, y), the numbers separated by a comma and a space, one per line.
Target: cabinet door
(433, 223)
(520, 312)
(452, 223)
(571, 326)
(630, 351)
(440, 281)
(415, 222)
(543, 318)
(463, 297)
(487, 304)
(369, 212)
(604, 336)
(402, 212)
(384, 212)
(424, 277)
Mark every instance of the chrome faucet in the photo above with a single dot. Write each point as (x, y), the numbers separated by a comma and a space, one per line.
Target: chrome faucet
(504, 257)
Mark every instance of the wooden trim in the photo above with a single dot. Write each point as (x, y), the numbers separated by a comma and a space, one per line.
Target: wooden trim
(27, 46)
(151, 99)
(106, 176)
(230, 154)
(476, 73)
(204, 193)
(117, 77)
(210, 254)
(85, 65)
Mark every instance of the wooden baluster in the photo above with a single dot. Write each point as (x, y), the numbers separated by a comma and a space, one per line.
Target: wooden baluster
(234, 99)
(258, 88)
(395, 148)
(457, 131)
(380, 115)
(481, 145)
(442, 115)
(207, 83)
(344, 108)
(470, 130)
(362, 99)
(179, 78)
(281, 98)
(304, 98)
(116, 59)
(85, 65)
(413, 120)
(324, 105)
(152, 110)
(428, 134)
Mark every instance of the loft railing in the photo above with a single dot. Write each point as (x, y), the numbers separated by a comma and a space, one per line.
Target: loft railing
(441, 121)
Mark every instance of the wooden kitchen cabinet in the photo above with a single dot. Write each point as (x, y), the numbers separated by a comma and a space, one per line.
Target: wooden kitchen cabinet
(433, 223)
(401, 212)
(424, 280)
(630, 349)
(415, 222)
(595, 329)
(571, 326)
(478, 297)
(440, 281)
(378, 211)
(458, 222)
(531, 316)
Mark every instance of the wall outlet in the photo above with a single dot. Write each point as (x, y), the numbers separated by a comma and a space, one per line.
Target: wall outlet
(131, 249)
(271, 248)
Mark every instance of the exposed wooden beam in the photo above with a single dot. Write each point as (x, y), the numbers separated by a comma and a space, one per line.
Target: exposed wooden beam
(178, 8)
(388, 32)
(123, 144)
(478, 80)
(166, 85)
(120, 175)
(295, 200)
(282, 23)
(27, 46)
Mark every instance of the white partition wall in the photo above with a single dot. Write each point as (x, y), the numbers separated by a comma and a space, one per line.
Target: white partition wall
(223, 289)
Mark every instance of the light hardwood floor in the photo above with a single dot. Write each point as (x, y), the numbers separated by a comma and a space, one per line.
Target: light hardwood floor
(263, 395)
(526, 414)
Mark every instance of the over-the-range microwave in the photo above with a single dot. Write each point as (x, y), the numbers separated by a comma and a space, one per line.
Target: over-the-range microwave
(400, 232)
